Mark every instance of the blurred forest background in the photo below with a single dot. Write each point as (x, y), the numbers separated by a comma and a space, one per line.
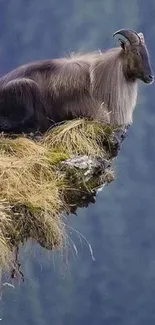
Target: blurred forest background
(119, 287)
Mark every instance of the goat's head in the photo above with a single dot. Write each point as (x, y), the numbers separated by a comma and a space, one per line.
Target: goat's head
(136, 58)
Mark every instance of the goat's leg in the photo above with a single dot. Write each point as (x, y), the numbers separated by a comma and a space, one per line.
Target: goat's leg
(118, 137)
(20, 106)
(121, 133)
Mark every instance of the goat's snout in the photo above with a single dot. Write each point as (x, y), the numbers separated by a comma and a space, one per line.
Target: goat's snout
(149, 78)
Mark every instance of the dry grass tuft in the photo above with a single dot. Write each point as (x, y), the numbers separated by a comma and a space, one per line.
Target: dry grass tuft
(5, 230)
(32, 184)
(79, 137)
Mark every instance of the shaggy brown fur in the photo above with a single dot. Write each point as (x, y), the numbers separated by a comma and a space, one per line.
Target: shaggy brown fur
(100, 85)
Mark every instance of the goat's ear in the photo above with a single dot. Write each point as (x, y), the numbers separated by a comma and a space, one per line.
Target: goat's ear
(141, 36)
(122, 44)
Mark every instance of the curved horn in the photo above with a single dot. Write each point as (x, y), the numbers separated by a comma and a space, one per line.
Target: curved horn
(129, 34)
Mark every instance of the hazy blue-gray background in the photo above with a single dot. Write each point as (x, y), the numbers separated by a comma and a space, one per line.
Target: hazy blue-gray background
(119, 288)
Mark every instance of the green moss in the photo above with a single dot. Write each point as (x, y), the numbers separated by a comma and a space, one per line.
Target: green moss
(56, 156)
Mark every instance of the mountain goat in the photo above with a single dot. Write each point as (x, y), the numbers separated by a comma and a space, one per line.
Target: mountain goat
(98, 85)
